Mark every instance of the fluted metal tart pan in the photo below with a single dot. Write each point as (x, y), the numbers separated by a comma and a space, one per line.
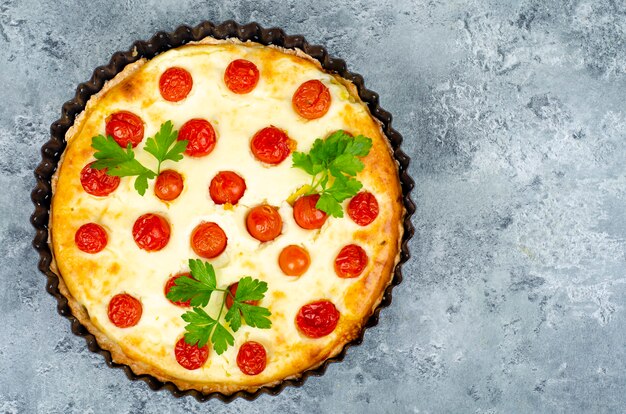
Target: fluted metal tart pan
(162, 41)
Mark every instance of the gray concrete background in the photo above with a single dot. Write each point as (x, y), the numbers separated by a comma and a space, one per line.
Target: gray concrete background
(514, 115)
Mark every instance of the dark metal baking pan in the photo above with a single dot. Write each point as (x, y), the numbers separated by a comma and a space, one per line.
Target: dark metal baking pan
(159, 43)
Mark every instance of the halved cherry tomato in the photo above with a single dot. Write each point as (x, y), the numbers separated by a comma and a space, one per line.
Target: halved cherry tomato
(233, 291)
(251, 358)
(363, 208)
(171, 282)
(241, 76)
(306, 214)
(317, 319)
(264, 223)
(175, 84)
(294, 260)
(351, 261)
(271, 145)
(97, 182)
(124, 310)
(311, 100)
(200, 135)
(90, 238)
(227, 187)
(208, 240)
(151, 232)
(168, 185)
(125, 128)
(190, 356)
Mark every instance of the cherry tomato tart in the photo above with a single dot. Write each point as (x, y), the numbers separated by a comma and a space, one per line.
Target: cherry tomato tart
(228, 214)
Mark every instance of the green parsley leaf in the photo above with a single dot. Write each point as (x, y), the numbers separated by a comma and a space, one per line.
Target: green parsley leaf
(304, 161)
(344, 188)
(248, 290)
(233, 317)
(121, 162)
(159, 146)
(201, 328)
(221, 339)
(204, 272)
(360, 146)
(328, 204)
(141, 182)
(334, 160)
(198, 288)
(347, 164)
(255, 316)
(118, 161)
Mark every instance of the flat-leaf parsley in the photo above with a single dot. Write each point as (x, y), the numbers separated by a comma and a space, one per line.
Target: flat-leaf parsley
(333, 162)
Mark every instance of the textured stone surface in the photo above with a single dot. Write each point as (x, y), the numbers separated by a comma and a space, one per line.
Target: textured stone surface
(514, 115)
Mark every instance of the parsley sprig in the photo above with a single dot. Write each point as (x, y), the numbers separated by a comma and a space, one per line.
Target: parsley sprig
(121, 162)
(333, 162)
(201, 328)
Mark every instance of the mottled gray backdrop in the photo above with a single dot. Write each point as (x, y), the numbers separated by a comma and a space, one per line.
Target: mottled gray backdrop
(514, 115)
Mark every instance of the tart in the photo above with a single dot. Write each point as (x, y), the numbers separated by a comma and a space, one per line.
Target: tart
(236, 203)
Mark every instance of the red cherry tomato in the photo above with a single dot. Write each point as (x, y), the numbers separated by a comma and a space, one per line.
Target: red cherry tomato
(363, 208)
(233, 291)
(171, 282)
(151, 232)
(90, 238)
(317, 319)
(124, 310)
(241, 76)
(168, 185)
(227, 187)
(271, 145)
(306, 214)
(208, 240)
(200, 136)
(190, 356)
(351, 261)
(125, 128)
(264, 223)
(251, 358)
(294, 260)
(175, 84)
(311, 100)
(97, 182)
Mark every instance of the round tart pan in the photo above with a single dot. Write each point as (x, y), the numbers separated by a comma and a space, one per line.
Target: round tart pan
(159, 43)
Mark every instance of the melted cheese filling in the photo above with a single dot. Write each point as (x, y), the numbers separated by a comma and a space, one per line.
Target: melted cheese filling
(123, 267)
